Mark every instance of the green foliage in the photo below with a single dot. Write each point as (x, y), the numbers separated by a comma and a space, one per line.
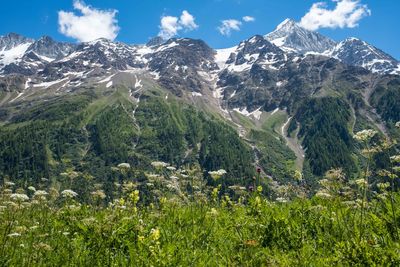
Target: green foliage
(386, 101)
(253, 232)
(324, 126)
(275, 157)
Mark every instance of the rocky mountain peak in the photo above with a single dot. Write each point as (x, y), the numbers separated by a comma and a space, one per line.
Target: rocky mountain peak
(353, 51)
(291, 37)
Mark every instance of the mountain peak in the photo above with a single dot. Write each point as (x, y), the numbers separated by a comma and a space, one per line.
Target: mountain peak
(287, 23)
(291, 37)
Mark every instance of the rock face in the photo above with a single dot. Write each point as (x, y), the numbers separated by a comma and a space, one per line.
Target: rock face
(353, 51)
(291, 37)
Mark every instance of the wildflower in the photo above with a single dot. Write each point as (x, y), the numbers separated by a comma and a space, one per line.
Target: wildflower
(386, 173)
(140, 238)
(31, 188)
(213, 212)
(135, 196)
(361, 182)
(281, 200)
(174, 178)
(10, 184)
(155, 234)
(98, 194)
(53, 193)
(124, 166)
(365, 135)
(40, 194)
(68, 193)
(298, 176)
(7, 191)
(14, 235)
(383, 186)
(397, 124)
(259, 189)
(66, 233)
(170, 168)
(323, 194)
(217, 174)
(19, 197)
(159, 164)
(395, 159)
(43, 246)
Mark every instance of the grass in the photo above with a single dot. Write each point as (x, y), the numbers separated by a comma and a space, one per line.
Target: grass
(251, 232)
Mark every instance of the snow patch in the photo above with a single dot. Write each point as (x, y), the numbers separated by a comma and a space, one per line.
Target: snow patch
(14, 54)
(223, 55)
(196, 94)
(49, 84)
(275, 111)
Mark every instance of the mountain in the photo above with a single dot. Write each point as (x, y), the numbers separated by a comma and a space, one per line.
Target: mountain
(292, 37)
(283, 106)
(353, 51)
(12, 48)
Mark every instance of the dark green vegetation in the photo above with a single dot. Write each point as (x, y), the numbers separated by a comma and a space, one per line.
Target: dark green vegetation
(324, 128)
(89, 135)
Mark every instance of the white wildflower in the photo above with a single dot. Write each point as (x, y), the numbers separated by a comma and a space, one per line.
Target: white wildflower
(170, 168)
(281, 200)
(9, 184)
(323, 194)
(395, 159)
(361, 182)
(31, 188)
(14, 235)
(159, 164)
(124, 166)
(19, 197)
(217, 174)
(68, 193)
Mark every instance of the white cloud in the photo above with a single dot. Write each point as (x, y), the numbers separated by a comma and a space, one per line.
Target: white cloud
(248, 19)
(229, 25)
(90, 25)
(346, 14)
(170, 26)
(187, 21)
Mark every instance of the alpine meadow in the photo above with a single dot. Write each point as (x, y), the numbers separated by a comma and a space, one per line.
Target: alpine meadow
(280, 150)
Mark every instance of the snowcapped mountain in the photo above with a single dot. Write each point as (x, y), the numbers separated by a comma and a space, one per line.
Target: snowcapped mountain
(182, 64)
(256, 50)
(291, 37)
(12, 48)
(353, 51)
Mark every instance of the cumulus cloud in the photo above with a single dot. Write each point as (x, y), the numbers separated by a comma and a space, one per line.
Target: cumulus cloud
(248, 19)
(170, 26)
(91, 24)
(229, 25)
(346, 14)
(187, 21)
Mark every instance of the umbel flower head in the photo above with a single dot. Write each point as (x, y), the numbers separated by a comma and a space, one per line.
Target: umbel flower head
(159, 164)
(68, 193)
(217, 174)
(19, 197)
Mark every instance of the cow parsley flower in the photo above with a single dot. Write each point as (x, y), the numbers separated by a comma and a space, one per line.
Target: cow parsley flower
(19, 197)
(68, 193)
(217, 174)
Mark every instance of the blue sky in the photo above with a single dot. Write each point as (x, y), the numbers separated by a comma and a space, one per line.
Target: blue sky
(135, 21)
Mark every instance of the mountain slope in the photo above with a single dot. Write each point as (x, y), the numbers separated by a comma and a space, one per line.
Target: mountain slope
(292, 37)
(101, 103)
